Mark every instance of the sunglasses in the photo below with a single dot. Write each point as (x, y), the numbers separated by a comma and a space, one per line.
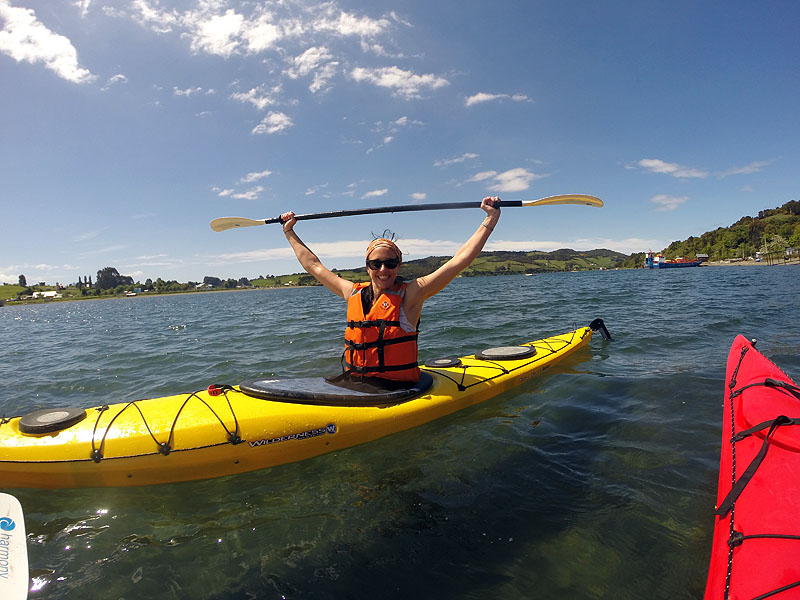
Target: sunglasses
(375, 264)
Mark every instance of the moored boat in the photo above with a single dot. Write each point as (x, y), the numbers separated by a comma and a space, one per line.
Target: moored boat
(658, 261)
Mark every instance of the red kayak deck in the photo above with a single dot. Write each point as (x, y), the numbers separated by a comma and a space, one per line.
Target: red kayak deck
(756, 548)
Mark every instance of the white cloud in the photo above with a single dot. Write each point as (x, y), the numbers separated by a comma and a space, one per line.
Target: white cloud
(753, 167)
(35, 273)
(316, 60)
(217, 34)
(213, 28)
(513, 180)
(274, 122)
(314, 189)
(160, 21)
(308, 61)
(390, 129)
(83, 6)
(26, 39)
(419, 196)
(223, 192)
(397, 125)
(255, 176)
(322, 77)
(482, 97)
(482, 176)
(446, 162)
(400, 19)
(259, 96)
(328, 250)
(675, 170)
(665, 203)
(402, 83)
(261, 34)
(348, 24)
(376, 49)
(375, 193)
(248, 195)
(118, 79)
(186, 92)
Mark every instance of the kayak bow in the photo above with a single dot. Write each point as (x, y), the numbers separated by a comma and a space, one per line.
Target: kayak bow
(756, 544)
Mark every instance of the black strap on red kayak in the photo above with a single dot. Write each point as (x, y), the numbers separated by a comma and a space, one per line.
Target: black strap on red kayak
(762, 426)
(769, 382)
(738, 487)
(773, 426)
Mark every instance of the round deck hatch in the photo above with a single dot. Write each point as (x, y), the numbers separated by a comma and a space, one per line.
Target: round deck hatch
(506, 353)
(49, 420)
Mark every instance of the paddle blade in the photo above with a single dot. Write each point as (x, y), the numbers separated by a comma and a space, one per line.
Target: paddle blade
(564, 199)
(224, 223)
(14, 574)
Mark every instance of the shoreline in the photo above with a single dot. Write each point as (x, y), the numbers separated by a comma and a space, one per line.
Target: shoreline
(145, 295)
(726, 263)
(751, 263)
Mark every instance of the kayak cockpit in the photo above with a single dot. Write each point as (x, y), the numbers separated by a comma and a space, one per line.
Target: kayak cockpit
(324, 391)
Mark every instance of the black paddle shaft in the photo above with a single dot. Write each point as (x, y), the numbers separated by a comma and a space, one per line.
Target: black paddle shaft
(392, 209)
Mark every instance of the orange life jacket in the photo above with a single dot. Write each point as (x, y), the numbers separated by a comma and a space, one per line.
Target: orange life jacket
(376, 345)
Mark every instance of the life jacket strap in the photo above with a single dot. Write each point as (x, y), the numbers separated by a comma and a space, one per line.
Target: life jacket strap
(377, 323)
(380, 342)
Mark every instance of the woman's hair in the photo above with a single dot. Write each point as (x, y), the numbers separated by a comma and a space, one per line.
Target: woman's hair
(385, 240)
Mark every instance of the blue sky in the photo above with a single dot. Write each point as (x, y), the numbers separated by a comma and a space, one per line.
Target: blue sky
(127, 126)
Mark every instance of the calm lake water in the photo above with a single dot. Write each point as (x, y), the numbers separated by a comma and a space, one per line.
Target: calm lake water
(597, 480)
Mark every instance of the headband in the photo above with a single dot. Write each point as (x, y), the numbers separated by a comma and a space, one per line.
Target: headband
(384, 243)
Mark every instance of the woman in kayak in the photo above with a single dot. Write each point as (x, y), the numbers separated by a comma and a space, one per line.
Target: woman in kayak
(383, 314)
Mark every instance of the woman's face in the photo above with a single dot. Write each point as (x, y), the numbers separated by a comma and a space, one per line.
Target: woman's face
(382, 277)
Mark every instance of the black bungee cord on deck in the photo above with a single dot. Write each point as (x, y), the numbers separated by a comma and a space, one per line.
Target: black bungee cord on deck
(166, 447)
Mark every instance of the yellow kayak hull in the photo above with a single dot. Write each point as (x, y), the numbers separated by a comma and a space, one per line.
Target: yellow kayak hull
(200, 436)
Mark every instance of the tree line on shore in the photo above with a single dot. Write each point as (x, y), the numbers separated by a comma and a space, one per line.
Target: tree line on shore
(771, 232)
(110, 282)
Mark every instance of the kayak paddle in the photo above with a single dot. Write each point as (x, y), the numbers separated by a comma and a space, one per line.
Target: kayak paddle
(13, 550)
(224, 223)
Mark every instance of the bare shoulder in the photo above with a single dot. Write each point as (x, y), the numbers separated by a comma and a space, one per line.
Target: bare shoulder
(415, 290)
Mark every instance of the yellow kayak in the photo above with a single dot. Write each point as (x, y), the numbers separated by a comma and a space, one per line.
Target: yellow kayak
(234, 429)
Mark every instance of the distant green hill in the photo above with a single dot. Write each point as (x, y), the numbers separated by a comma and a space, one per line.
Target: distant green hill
(487, 263)
(772, 231)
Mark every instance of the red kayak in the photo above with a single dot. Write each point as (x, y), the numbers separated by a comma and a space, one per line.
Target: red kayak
(756, 550)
